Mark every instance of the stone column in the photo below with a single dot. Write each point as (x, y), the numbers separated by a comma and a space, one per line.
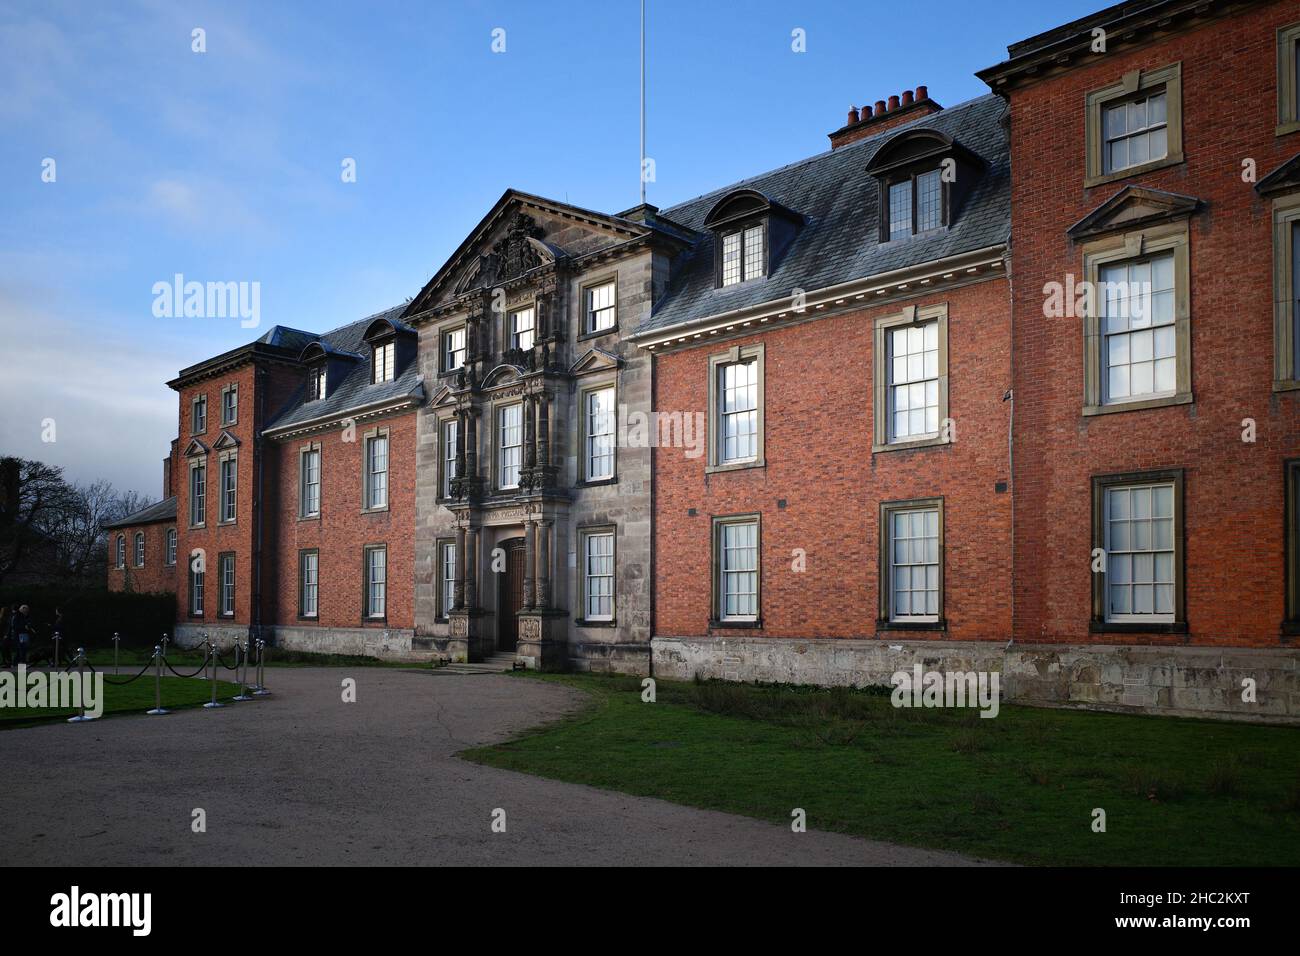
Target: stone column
(471, 569)
(460, 444)
(544, 430)
(471, 443)
(529, 546)
(544, 564)
(458, 585)
(530, 434)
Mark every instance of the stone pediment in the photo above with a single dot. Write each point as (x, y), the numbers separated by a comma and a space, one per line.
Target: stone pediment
(522, 234)
(195, 448)
(595, 360)
(1131, 208)
(1284, 179)
(443, 398)
(225, 440)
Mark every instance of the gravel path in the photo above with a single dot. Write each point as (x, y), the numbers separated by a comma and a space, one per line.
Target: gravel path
(321, 782)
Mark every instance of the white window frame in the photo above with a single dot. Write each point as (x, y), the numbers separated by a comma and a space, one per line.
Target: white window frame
(599, 568)
(228, 468)
(171, 547)
(120, 556)
(598, 315)
(199, 412)
(725, 572)
(453, 349)
(226, 579)
(520, 333)
(309, 583)
(447, 436)
(138, 549)
(925, 512)
(198, 493)
(516, 450)
(1131, 553)
(599, 434)
(308, 489)
(376, 582)
(196, 592)
(230, 405)
(376, 477)
(446, 577)
(383, 361)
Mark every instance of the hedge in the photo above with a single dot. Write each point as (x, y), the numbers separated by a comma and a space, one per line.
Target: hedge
(91, 616)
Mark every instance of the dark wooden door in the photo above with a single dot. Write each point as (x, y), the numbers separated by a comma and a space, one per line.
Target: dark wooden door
(512, 597)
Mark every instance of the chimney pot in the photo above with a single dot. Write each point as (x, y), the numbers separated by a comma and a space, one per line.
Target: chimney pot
(922, 93)
(853, 116)
(907, 97)
(893, 103)
(880, 107)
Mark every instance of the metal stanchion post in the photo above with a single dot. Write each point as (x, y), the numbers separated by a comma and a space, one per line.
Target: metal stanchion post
(55, 665)
(243, 687)
(81, 670)
(207, 656)
(212, 648)
(261, 690)
(157, 682)
(164, 645)
(117, 639)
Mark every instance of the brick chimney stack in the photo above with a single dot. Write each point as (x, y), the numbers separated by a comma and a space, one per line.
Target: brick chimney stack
(899, 109)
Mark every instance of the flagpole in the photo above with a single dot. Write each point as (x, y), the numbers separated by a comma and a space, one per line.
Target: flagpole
(642, 174)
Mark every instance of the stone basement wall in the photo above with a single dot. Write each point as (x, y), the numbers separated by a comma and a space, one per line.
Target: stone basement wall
(391, 645)
(1168, 681)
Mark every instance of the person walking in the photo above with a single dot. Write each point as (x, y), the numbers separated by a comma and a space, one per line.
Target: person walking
(22, 627)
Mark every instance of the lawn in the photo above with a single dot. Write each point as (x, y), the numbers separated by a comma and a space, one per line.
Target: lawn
(1021, 786)
(133, 698)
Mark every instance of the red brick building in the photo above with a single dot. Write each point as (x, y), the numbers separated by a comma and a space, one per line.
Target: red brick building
(1006, 386)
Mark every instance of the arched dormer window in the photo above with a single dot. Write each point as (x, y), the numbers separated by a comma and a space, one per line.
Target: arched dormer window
(316, 357)
(924, 177)
(749, 233)
(392, 345)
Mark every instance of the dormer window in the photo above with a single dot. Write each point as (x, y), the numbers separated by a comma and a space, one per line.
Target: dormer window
(915, 205)
(923, 176)
(318, 383)
(742, 255)
(750, 232)
(381, 362)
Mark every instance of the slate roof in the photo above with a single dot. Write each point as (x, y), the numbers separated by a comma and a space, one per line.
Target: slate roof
(164, 510)
(839, 239)
(354, 390)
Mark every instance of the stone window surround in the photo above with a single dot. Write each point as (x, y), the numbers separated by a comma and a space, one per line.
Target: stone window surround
(1131, 85)
(366, 616)
(911, 315)
(200, 399)
(1119, 248)
(495, 407)
(1291, 517)
(583, 331)
(608, 381)
(884, 584)
(1100, 484)
(302, 554)
(1286, 212)
(222, 458)
(718, 522)
(584, 530)
(1288, 120)
(737, 353)
(443, 334)
(170, 540)
(195, 464)
(302, 480)
(440, 608)
(442, 423)
(379, 431)
(231, 389)
(221, 584)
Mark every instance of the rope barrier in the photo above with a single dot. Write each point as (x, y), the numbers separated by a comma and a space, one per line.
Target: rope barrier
(123, 683)
(202, 667)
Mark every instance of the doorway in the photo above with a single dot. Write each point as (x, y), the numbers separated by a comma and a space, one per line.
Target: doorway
(510, 596)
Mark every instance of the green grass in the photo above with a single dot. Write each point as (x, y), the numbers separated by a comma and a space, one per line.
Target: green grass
(133, 698)
(1020, 787)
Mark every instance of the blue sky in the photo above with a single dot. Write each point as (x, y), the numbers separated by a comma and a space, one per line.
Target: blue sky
(225, 165)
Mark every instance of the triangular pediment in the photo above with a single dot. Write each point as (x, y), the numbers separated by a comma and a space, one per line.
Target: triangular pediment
(443, 398)
(594, 360)
(1133, 207)
(522, 235)
(1284, 179)
(225, 440)
(195, 448)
